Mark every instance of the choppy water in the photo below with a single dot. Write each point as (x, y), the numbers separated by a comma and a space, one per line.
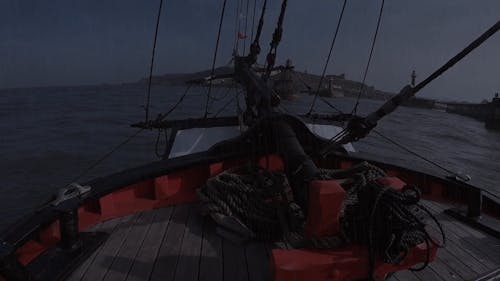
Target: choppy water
(48, 137)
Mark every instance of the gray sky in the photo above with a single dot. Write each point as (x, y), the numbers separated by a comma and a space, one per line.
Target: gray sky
(65, 42)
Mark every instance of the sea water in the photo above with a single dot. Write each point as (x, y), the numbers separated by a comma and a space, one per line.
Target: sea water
(50, 135)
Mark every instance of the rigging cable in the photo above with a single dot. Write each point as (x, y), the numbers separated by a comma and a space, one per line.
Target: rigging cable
(309, 88)
(212, 72)
(161, 117)
(355, 108)
(108, 154)
(461, 177)
(414, 153)
(246, 28)
(277, 35)
(253, 18)
(328, 59)
(148, 95)
(255, 46)
(237, 27)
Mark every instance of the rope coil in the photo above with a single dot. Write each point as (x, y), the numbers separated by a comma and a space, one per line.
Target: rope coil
(259, 205)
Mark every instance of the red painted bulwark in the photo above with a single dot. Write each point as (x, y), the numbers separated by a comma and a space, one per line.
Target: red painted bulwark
(325, 202)
(350, 263)
(180, 187)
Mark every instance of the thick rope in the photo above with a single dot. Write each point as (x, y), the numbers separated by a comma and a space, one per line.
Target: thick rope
(277, 35)
(388, 222)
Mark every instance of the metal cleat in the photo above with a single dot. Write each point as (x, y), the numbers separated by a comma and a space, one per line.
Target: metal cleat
(71, 191)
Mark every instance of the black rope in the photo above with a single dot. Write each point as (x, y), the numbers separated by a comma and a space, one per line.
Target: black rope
(255, 46)
(236, 27)
(253, 17)
(369, 58)
(246, 28)
(328, 58)
(105, 156)
(331, 105)
(225, 106)
(215, 57)
(277, 35)
(179, 101)
(148, 96)
(261, 22)
(414, 153)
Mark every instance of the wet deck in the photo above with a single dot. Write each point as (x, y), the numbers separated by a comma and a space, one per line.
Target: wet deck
(176, 244)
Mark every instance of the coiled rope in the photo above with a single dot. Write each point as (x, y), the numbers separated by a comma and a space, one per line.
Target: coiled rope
(259, 205)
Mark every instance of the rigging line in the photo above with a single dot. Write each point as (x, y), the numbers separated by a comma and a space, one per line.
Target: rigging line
(148, 96)
(246, 28)
(234, 98)
(253, 18)
(321, 98)
(355, 108)
(328, 58)
(277, 35)
(225, 106)
(179, 101)
(330, 105)
(414, 153)
(428, 160)
(108, 154)
(215, 57)
(237, 27)
(261, 22)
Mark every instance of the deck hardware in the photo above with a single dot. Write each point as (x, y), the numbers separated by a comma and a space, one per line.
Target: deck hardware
(71, 191)
(68, 224)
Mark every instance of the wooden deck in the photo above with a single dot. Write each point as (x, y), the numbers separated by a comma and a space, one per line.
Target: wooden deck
(177, 244)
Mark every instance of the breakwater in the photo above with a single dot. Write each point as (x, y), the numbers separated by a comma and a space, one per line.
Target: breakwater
(488, 112)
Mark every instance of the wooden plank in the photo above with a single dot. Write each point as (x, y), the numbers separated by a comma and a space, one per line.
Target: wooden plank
(456, 265)
(104, 258)
(106, 226)
(166, 262)
(470, 260)
(482, 247)
(405, 275)
(235, 264)
(146, 257)
(123, 261)
(463, 263)
(259, 268)
(444, 272)
(427, 274)
(211, 264)
(189, 256)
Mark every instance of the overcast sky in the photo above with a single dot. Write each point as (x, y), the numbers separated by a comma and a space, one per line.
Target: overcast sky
(67, 42)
